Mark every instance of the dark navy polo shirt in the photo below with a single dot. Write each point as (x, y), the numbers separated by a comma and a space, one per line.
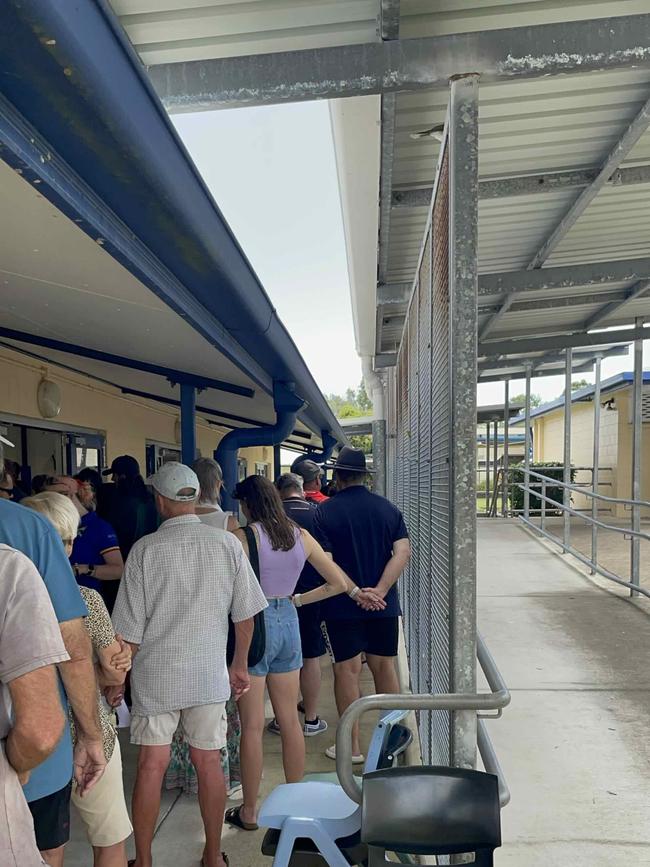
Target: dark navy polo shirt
(96, 537)
(359, 529)
(303, 513)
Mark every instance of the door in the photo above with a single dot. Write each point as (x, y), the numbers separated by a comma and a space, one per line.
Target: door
(85, 450)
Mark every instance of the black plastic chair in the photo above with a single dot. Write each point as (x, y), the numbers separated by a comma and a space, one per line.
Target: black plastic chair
(430, 811)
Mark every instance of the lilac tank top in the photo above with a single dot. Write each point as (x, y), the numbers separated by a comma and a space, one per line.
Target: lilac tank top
(279, 570)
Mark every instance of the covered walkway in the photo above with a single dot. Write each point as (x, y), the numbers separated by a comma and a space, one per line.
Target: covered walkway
(572, 743)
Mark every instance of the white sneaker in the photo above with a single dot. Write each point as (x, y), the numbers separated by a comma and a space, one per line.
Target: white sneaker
(357, 759)
(317, 728)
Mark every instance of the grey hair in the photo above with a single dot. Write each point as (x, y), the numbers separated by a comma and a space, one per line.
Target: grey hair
(210, 478)
(59, 510)
(290, 480)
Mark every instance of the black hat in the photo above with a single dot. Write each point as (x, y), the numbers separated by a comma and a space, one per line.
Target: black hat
(125, 465)
(352, 460)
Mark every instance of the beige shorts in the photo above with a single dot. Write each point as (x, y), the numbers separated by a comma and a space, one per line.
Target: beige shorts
(103, 809)
(204, 727)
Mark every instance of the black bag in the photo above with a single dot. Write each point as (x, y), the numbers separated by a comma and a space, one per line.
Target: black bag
(258, 641)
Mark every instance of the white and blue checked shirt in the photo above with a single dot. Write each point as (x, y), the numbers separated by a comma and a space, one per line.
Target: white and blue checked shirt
(179, 585)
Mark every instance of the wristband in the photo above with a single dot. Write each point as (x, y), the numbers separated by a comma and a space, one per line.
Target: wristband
(91, 570)
(297, 600)
(354, 592)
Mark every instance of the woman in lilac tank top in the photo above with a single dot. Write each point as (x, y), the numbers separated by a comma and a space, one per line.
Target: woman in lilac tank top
(283, 548)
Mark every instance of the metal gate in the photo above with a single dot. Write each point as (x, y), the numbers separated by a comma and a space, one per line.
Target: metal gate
(432, 441)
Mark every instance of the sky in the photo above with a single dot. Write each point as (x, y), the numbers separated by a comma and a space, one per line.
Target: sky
(272, 171)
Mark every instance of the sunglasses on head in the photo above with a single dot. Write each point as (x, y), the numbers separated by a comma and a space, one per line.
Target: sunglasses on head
(9, 491)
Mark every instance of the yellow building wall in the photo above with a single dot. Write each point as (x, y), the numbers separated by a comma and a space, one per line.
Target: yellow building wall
(127, 423)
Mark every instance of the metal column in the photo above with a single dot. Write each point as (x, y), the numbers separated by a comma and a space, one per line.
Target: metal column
(637, 431)
(488, 452)
(463, 304)
(596, 462)
(188, 423)
(527, 442)
(506, 448)
(567, 446)
(496, 465)
(379, 456)
(277, 462)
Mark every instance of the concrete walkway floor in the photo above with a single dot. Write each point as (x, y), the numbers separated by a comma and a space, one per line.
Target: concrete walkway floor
(179, 838)
(573, 743)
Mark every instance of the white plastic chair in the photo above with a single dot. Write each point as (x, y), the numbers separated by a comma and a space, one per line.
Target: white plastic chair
(318, 809)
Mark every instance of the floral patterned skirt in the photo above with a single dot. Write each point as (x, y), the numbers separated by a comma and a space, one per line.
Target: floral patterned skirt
(181, 774)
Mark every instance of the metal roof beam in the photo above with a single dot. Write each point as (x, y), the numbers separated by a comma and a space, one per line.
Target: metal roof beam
(393, 293)
(564, 277)
(400, 65)
(613, 160)
(580, 356)
(388, 23)
(637, 291)
(561, 341)
(559, 302)
(388, 31)
(528, 185)
(521, 374)
(170, 373)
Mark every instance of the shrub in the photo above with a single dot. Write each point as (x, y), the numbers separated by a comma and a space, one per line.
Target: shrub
(553, 470)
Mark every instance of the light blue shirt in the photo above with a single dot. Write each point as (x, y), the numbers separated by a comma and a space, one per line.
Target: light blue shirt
(31, 533)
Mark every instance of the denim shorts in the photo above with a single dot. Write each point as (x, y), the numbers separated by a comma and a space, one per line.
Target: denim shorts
(283, 652)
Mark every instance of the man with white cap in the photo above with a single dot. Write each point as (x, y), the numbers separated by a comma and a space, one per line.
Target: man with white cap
(179, 586)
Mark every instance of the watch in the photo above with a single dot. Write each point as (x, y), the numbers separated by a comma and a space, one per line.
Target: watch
(91, 570)
(297, 600)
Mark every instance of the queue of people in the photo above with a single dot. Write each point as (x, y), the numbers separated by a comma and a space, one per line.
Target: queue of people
(207, 619)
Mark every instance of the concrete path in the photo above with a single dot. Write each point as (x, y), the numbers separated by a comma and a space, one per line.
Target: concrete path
(179, 838)
(573, 743)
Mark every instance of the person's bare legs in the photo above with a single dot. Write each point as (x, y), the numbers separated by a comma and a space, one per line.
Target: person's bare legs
(53, 857)
(283, 691)
(251, 714)
(347, 690)
(110, 856)
(384, 674)
(212, 801)
(310, 683)
(145, 804)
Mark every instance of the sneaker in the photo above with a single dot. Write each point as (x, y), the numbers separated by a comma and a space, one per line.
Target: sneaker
(235, 793)
(273, 727)
(330, 752)
(315, 728)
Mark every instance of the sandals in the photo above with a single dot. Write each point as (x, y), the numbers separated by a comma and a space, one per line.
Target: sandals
(234, 819)
(223, 855)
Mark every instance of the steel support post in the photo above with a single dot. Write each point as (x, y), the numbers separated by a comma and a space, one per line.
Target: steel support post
(277, 462)
(496, 466)
(527, 442)
(488, 453)
(567, 447)
(379, 456)
(188, 423)
(596, 463)
(463, 317)
(506, 448)
(637, 432)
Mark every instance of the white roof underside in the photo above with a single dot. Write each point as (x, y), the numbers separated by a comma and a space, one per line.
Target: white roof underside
(526, 128)
(58, 283)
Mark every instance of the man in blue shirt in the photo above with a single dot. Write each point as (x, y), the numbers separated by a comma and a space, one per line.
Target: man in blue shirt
(368, 539)
(48, 789)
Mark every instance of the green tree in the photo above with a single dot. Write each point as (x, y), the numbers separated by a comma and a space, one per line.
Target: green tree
(352, 404)
(363, 401)
(520, 400)
(579, 383)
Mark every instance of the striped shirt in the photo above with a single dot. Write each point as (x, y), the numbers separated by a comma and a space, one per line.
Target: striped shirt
(179, 585)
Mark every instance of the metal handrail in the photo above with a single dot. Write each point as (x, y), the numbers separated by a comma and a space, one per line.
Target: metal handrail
(557, 483)
(498, 698)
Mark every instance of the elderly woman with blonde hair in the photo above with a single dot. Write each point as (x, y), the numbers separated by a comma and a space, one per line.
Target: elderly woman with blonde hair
(102, 810)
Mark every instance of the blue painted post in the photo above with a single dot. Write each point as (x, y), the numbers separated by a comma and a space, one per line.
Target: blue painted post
(188, 423)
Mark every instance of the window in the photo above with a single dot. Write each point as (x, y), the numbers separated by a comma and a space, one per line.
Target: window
(242, 469)
(262, 470)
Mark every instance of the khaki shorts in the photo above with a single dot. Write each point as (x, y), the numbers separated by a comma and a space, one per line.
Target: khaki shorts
(103, 809)
(204, 727)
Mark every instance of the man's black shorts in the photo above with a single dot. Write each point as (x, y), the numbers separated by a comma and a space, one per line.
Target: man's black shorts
(377, 636)
(51, 816)
(311, 634)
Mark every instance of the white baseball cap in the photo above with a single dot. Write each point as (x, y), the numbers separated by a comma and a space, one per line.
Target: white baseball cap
(173, 477)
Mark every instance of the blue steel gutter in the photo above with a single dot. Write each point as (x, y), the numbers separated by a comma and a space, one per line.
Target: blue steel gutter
(79, 117)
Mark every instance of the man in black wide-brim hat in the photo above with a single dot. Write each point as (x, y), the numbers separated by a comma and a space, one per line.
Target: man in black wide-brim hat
(367, 537)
